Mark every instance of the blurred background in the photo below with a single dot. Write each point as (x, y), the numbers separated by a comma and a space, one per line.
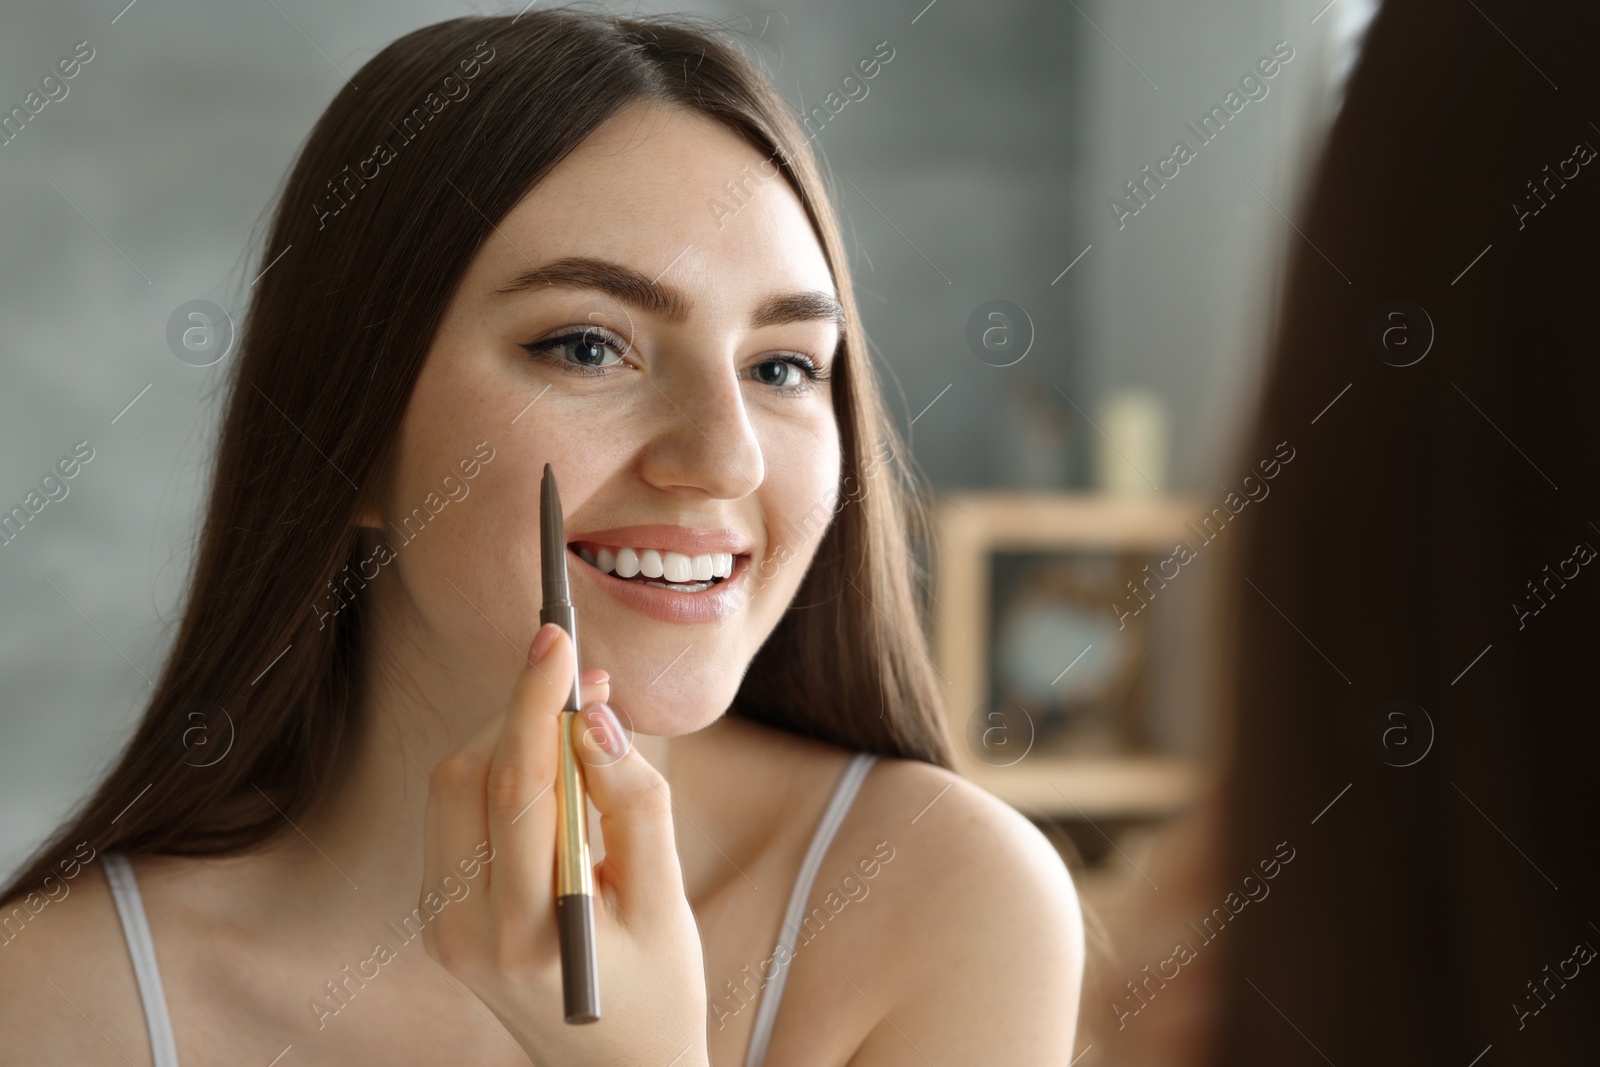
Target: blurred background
(1071, 345)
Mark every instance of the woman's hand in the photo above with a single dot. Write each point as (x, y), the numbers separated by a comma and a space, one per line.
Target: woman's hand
(501, 940)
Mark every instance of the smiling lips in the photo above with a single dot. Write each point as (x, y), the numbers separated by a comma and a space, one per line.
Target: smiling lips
(672, 573)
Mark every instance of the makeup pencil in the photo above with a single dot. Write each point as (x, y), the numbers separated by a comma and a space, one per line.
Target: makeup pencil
(580, 979)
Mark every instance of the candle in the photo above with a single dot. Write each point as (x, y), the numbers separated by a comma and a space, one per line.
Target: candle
(1132, 457)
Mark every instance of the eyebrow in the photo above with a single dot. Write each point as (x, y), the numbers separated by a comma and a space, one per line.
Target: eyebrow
(667, 301)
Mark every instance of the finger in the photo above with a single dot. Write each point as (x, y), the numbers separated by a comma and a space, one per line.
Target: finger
(520, 793)
(641, 865)
(460, 840)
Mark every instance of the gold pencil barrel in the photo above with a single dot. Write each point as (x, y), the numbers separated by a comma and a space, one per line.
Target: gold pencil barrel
(573, 871)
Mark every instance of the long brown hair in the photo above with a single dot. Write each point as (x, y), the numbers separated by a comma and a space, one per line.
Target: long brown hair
(1398, 561)
(473, 112)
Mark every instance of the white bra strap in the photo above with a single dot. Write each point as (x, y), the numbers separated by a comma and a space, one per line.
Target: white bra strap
(136, 929)
(772, 992)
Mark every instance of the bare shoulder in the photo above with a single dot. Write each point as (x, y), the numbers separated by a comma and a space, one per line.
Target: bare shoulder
(67, 988)
(966, 845)
(990, 932)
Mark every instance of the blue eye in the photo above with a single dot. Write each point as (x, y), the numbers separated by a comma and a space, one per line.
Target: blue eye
(797, 373)
(588, 346)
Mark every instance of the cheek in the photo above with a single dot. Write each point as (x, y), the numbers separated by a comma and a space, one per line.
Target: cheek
(803, 470)
(469, 566)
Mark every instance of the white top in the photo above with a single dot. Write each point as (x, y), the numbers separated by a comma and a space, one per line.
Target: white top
(163, 1052)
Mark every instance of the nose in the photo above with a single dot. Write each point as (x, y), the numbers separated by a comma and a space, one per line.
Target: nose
(705, 440)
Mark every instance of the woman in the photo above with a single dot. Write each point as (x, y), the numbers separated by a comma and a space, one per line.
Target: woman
(505, 249)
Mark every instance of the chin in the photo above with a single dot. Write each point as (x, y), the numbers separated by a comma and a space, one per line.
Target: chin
(644, 711)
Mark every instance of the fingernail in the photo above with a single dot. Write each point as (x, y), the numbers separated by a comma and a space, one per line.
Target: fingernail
(542, 641)
(594, 676)
(608, 731)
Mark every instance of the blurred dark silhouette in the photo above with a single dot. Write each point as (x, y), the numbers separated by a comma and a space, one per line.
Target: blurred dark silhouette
(1429, 545)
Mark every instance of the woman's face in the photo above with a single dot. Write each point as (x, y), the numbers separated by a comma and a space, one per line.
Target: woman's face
(650, 347)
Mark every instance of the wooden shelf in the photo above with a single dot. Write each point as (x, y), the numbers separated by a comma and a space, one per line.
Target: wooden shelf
(1122, 787)
(971, 526)
(1019, 520)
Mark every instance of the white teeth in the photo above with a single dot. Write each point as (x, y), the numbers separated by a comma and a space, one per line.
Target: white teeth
(676, 567)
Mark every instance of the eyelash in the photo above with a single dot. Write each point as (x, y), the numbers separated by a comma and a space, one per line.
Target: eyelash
(546, 352)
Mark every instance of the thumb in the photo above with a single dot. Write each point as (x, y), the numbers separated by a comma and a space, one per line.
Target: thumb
(635, 808)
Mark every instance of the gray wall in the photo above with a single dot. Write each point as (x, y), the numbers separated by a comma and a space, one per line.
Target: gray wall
(978, 167)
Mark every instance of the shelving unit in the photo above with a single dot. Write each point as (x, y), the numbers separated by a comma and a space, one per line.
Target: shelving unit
(971, 526)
